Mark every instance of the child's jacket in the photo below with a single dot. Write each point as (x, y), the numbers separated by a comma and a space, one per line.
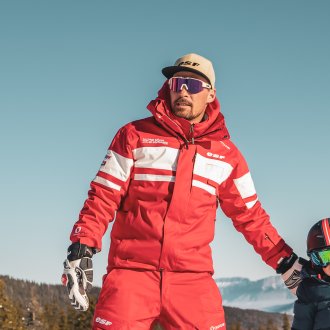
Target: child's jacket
(312, 309)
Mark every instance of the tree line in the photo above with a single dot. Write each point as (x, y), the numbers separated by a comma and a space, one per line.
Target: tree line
(27, 305)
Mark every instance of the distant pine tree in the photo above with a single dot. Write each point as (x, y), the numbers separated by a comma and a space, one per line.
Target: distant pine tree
(62, 320)
(270, 325)
(11, 316)
(286, 322)
(236, 326)
(50, 317)
(81, 320)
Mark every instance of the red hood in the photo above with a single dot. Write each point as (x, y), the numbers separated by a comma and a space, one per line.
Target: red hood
(214, 126)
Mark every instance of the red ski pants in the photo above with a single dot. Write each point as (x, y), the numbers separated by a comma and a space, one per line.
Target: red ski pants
(133, 299)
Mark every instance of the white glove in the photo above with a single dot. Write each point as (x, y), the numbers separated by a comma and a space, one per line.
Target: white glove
(292, 277)
(78, 275)
(290, 269)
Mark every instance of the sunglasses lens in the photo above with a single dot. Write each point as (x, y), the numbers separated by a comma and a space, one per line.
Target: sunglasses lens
(324, 256)
(192, 85)
(320, 258)
(195, 86)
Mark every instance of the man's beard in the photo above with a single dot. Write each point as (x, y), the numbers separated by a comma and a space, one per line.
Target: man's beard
(188, 115)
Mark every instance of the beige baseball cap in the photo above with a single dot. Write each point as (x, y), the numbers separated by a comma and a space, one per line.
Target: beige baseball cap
(193, 63)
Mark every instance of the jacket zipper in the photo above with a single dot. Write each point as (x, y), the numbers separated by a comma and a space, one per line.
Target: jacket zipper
(186, 142)
(191, 133)
(161, 283)
(269, 239)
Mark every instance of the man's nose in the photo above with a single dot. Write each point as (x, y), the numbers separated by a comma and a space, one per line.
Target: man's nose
(184, 90)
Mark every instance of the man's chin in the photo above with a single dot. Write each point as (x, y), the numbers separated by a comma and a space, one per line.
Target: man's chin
(181, 114)
(182, 111)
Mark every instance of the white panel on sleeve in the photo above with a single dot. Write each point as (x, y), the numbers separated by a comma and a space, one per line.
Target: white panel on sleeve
(204, 186)
(162, 158)
(117, 165)
(213, 169)
(245, 185)
(251, 204)
(154, 177)
(106, 183)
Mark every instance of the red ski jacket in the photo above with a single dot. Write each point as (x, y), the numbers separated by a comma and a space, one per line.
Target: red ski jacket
(163, 179)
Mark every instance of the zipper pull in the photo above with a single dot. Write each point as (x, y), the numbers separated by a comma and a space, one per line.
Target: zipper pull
(184, 145)
(191, 133)
(269, 239)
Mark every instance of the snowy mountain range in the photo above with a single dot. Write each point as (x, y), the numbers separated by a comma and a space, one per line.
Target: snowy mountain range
(268, 294)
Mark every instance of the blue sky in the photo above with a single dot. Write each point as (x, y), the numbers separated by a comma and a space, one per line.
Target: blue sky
(73, 72)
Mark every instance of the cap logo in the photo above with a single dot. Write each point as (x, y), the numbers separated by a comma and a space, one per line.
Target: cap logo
(188, 63)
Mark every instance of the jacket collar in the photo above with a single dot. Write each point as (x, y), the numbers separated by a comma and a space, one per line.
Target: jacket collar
(213, 126)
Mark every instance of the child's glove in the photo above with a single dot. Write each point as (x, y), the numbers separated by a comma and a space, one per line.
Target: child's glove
(290, 270)
(307, 268)
(78, 274)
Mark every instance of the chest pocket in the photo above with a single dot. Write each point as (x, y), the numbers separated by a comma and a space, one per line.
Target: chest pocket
(215, 173)
(211, 172)
(212, 169)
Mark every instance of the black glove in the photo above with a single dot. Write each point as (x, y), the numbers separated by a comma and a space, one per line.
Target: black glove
(78, 274)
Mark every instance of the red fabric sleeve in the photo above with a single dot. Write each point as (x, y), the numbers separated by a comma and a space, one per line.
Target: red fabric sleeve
(239, 201)
(106, 192)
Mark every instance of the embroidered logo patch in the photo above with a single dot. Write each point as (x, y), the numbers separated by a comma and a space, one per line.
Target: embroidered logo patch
(102, 321)
(210, 154)
(154, 141)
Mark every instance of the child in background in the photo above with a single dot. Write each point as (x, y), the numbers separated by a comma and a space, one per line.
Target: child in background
(312, 309)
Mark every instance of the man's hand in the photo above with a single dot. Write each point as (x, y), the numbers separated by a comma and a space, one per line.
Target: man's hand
(290, 270)
(78, 274)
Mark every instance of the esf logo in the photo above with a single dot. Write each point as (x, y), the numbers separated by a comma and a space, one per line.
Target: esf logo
(188, 63)
(102, 321)
(210, 154)
(106, 158)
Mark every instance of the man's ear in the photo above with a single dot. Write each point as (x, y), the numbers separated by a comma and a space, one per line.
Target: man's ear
(211, 96)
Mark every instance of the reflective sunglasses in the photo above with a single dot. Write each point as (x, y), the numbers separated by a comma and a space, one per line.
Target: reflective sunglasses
(320, 258)
(192, 85)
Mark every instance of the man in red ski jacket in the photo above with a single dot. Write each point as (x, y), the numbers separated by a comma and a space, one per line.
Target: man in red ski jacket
(162, 180)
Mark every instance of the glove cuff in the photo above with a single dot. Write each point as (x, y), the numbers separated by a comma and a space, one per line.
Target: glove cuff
(286, 264)
(78, 251)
